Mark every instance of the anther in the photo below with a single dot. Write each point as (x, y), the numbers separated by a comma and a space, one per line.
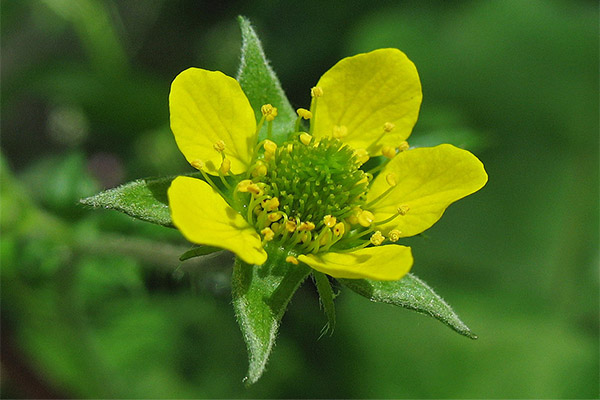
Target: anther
(394, 235)
(403, 146)
(242, 186)
(254, 189)
(403, 209)
(270, 146)
(198, 164)
(225, 166)
(388, 151)
(292, 260)
(306, 226)
(269, 112)
(391, 179)
(377, 238)
(316, 91)
(366, 218)
(290, 225)
(219, 146)
(305, 138)
(340, 132)
(260, 169)
(271, 204)
(339, 229)
(329, 221)
(268, 234)
(276, 216)
(361, 155)
(304, 113)
(388, 127)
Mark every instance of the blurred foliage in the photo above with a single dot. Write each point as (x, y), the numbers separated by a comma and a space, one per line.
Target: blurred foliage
(96, 304)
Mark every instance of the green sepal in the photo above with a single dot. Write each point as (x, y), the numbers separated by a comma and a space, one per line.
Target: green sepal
(145, 199)
(412, 293)
(199, 251)
(326, 295)
(260, 297)
(261, 85)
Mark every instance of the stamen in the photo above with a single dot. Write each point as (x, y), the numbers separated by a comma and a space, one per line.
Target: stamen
(403, 209)
(388, 151)
(225, 166)
(268, 234)
(304, 113)
(315, 92)
(339, 229)
(391, 179)
(377, 238)
(292, 260)
(219, 146)
(340, 132)
(388, 127)
(394, 235)
(259, 170)
(366, 218)
(362, 156)
(198, 164)
(305, 138)
(403, 146)
(329, 221)
(290, 225)
(269, 112)
(276, 216)
(270, 149)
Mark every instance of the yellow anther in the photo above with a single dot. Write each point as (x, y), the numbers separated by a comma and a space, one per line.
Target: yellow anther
(270, 146)
(388, 127)
(362, 181)
(361, 155)
(269, 112)
(268, 234)
(304, 113)
(219, 146)
(391, 179)
(329, 221)
(271, 204)
(260, 169)
(290, 225)
(290, 147)
(339, 229)
(366, 218)
(353, 218)
(394, 235)
(225, 166)
(255, 190)
(275, 226)
(306, 226)
(317, 91)
(377, 238)
(243, 185)
(276, 216)
(403, 146)
(388, 151)
(403, 209)
(292, 260)
(305, 138)
(198, 164)
(339, 131)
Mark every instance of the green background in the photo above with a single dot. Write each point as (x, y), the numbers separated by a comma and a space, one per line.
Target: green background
(94, 303)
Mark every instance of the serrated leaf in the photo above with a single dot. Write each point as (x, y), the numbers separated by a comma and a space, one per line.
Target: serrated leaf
(261, 85)
(326, 295)
(145, 199)
(260, 297)
(412, 293)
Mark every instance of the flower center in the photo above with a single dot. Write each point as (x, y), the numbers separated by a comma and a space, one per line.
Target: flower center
(314, 180)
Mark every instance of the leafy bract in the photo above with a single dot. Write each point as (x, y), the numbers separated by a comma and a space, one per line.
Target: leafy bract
(412, 293)
(145, 199)
(260, 297)
(261, 85)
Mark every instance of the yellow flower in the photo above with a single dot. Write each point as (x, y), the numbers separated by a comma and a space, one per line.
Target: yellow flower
(312, 202)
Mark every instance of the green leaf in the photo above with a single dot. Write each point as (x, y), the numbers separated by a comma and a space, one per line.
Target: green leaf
(412, 293)
(198, 251)
(260, 297)
(326, 295)
(145, 199)
(261, 85)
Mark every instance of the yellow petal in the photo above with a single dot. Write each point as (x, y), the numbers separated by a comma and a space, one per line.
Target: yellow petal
(382, 263)
(428, 181)
(209, 106)
(203, 217)
(366, 94)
